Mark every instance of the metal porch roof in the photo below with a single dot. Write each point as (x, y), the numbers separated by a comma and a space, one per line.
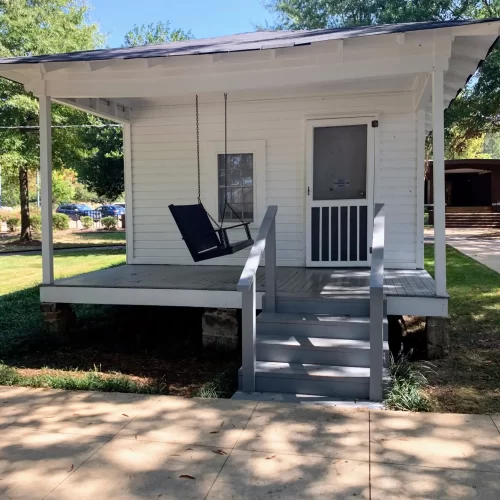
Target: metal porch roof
(258, 40)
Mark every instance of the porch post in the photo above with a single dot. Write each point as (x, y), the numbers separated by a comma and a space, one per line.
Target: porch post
(438, 183)
(46, 189)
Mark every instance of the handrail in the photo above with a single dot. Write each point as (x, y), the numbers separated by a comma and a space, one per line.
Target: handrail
(265, 241)
(253, 260)
(377, 304)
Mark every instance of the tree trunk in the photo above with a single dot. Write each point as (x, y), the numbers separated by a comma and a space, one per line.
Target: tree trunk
(25, 206)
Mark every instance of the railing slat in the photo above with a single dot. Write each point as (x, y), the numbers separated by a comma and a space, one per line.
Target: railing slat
(248, 326)
(377, 305)
(265, 241)
(270, 304)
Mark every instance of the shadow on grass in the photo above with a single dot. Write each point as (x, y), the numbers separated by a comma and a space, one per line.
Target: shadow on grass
(467, 381)
(112, 236)
(112, 348)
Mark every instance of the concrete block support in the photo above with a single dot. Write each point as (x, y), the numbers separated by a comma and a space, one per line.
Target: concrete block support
(58, 320)
(438, 337)
(221, 331)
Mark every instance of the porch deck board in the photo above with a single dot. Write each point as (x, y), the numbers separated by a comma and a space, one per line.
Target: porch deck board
(307, 282)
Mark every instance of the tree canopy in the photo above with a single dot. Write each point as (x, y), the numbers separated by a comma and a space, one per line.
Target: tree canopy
(100, 166)
(154, 33)
(476, 111)
(30, 27)
(316, 14)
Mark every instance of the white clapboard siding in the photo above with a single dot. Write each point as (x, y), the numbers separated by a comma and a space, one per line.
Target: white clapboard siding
(164, 169)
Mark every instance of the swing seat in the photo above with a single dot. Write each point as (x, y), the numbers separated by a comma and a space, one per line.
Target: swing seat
(202, 239)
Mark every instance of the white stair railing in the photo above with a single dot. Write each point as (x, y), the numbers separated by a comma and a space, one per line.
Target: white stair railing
(377, 304)
(265, 241)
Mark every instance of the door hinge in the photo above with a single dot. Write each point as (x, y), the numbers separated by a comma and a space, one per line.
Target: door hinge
(308, 191)
(374, 123)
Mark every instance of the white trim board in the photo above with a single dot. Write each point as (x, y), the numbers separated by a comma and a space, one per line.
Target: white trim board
(144, 297)
(415, 306)
(371, 162)
(129, 198)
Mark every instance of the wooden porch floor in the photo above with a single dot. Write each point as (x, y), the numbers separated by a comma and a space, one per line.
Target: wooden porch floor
(299, 281)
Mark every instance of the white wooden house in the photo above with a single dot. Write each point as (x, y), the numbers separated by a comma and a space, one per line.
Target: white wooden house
(326, 125)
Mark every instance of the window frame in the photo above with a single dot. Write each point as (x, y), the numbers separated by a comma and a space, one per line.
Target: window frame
(210, 175)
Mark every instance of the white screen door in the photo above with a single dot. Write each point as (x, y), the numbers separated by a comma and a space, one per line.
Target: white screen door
(340, 164)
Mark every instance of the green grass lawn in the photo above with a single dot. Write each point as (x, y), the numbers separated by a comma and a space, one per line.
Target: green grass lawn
(20, 275)
(468, 381)
(19, 272)
(106, 351)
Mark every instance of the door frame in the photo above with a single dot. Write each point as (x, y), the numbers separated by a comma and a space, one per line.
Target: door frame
(372, 152)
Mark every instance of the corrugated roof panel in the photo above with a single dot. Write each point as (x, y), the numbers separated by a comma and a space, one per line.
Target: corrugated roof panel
(258, 40)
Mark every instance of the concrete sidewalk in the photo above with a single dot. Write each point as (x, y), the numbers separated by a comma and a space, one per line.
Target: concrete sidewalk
(485, 251)
(79, 445)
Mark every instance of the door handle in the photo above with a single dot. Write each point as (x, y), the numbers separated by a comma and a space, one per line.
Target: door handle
(308, 190)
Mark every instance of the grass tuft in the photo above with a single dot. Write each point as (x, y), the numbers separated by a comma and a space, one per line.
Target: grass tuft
(407, 384)
(223, 385)
(90, 381)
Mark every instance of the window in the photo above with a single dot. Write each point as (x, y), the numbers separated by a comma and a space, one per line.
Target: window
(240, 185)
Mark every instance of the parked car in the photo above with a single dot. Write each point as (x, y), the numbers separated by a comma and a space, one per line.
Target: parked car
(119, 205)
(113, 210)
(73, 210)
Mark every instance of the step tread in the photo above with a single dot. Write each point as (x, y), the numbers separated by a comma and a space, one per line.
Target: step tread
(361, 296)
(328, 319)
(308, 342)
(307, 371)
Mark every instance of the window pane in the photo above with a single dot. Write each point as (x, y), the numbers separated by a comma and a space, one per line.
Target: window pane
(239, 185)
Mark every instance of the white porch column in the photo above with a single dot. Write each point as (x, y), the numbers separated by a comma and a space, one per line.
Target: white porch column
(438, 182)
(46, 189)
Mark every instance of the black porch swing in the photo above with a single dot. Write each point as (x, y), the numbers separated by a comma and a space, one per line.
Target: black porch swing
(204, 241)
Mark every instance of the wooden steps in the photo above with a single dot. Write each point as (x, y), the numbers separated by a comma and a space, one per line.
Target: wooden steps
(316, 346)
(473, 220)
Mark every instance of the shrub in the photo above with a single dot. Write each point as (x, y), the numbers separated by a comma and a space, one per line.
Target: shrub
(60, 221)
(13, 223)
(109, 222)
(36, 222)
(5, 214)
(407, 384)
(86, 221)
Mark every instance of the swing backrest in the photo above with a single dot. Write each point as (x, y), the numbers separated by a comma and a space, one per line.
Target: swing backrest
(195, 227)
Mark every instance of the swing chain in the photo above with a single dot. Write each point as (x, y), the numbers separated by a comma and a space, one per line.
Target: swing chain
(198, 149)
(198, 160)
(225, 159)
(226, 204)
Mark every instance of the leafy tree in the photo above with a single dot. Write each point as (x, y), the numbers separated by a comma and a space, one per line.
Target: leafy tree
(101, 165)
(154, 33)
(63, 186)
(476, 111)
(315, 14)
(492, 145)
(472, 148)
(30, 27)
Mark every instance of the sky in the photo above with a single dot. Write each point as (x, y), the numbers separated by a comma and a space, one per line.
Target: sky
(205, 18)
